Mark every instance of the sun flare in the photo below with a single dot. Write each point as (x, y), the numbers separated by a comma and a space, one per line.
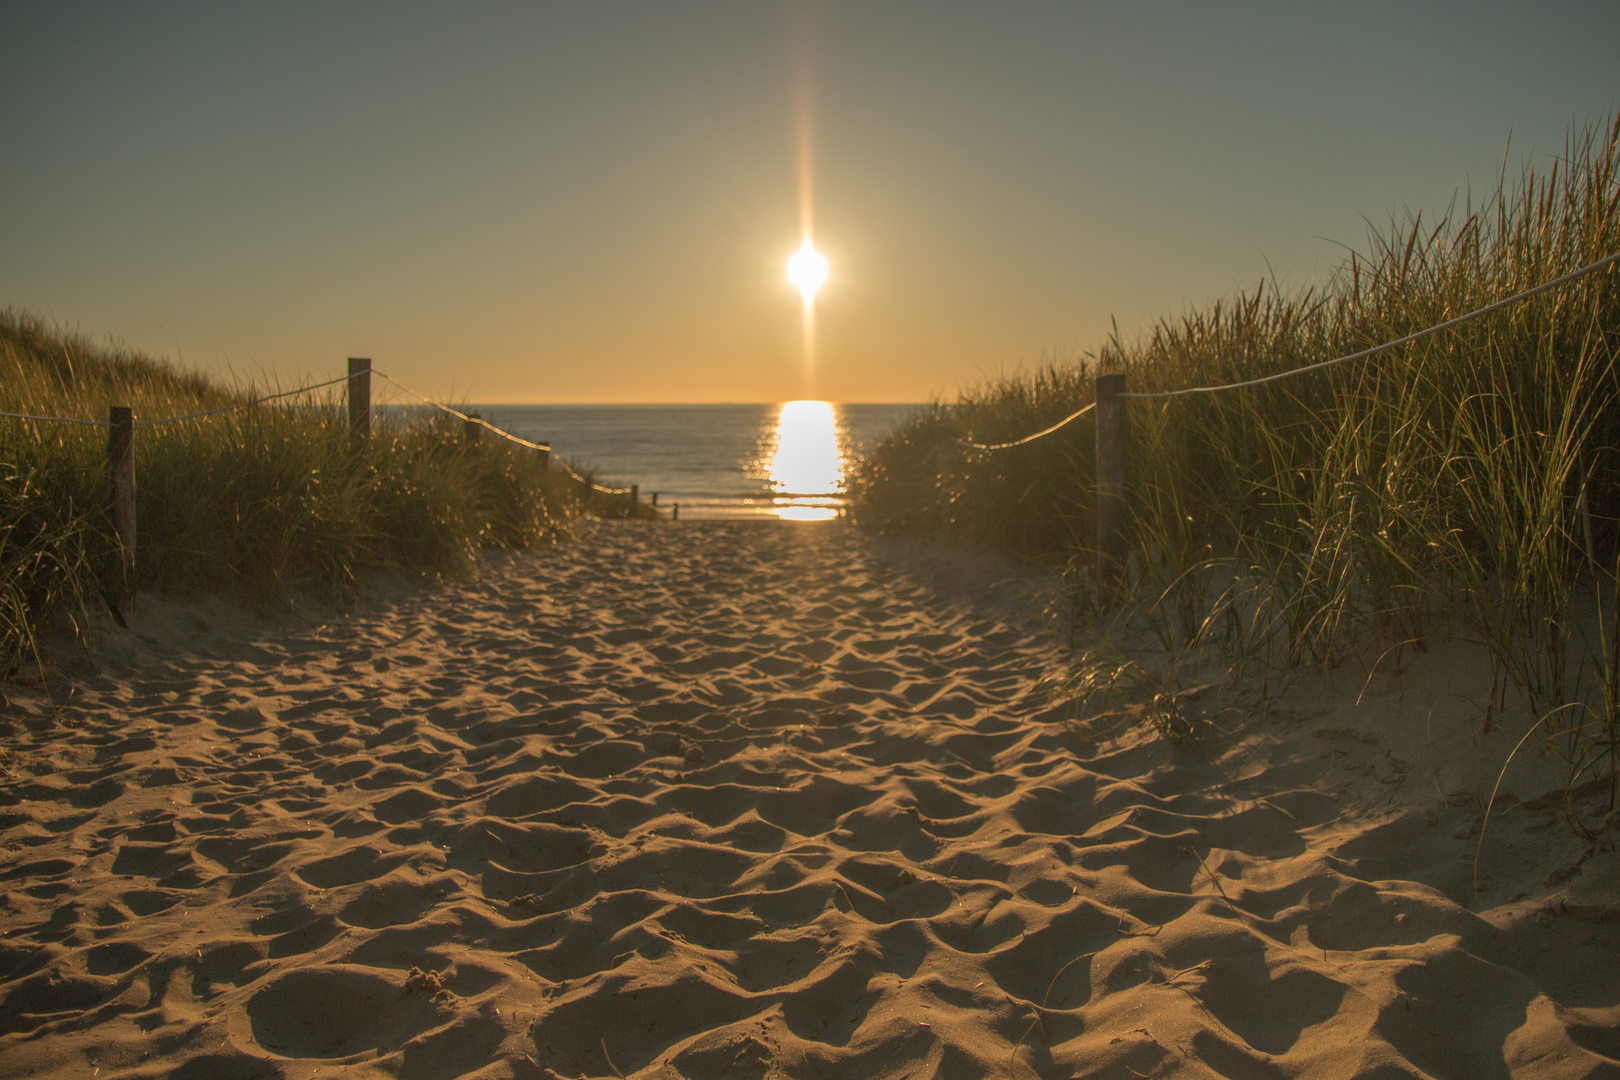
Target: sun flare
(807, 270)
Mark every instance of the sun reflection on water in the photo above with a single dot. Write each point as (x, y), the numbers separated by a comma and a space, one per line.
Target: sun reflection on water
(807, 467)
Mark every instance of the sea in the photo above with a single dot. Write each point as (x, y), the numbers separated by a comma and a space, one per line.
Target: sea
(783, 460)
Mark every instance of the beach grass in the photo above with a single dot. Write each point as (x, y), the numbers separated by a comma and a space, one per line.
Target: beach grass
(267, 504)
(1471, 478)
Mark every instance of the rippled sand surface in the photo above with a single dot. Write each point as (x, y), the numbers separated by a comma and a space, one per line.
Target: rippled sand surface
(737, 800)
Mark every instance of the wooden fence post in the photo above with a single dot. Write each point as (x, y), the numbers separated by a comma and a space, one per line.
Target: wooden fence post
(121, 492)
(655, 498)
(635, 497)
(359, 400)
(675, 512)
(472, 431)
(1113, 432)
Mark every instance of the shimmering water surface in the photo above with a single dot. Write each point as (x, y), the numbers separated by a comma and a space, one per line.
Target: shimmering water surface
(784, 460)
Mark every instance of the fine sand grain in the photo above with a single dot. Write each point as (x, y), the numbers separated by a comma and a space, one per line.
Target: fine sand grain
(744, 800)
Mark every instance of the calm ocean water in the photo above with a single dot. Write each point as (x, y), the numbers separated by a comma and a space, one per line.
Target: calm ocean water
(784, 460)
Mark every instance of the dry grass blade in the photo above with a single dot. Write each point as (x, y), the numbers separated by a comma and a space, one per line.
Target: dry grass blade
(612, 1067)
(1213, 880)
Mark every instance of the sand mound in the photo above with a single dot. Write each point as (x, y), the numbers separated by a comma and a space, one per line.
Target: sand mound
(733, 800)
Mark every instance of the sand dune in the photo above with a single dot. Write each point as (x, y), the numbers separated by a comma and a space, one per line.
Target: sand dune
(745, 800)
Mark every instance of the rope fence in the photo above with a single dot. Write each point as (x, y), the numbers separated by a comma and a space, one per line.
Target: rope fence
(56, 419)
(1077, 414)
(121, 425)
(1546, 286)
(474, 420)
(244, 404)
(1108, 404)
(480, 422)
(1112, 419)
(183, 416)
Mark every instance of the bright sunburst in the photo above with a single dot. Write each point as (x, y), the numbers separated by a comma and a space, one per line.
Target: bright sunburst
(807, 270)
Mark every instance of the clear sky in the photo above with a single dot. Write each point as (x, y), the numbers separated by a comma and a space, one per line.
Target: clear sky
(595, 201)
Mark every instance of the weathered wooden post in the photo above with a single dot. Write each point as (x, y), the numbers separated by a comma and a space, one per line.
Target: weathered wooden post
(635, 497)
(675, 512)
(1113, 433)
(945, 451)
(472, 431)
(121, 492)
(359, 400)
(655, 498)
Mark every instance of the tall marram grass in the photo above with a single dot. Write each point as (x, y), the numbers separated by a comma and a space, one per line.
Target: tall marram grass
(265, 504)
(1356, 508)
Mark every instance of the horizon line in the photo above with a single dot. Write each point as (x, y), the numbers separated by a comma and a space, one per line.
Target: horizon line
(470, 403)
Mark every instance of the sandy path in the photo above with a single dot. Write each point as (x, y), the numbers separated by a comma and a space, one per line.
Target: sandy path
(719, 800)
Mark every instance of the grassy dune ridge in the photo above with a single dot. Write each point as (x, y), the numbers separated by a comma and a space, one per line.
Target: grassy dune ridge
(1474, 474)
(265, 503)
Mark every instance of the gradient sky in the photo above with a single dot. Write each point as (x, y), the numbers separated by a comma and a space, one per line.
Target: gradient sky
(595, 201)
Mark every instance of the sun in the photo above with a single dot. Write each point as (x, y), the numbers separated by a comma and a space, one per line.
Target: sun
(807, 270)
